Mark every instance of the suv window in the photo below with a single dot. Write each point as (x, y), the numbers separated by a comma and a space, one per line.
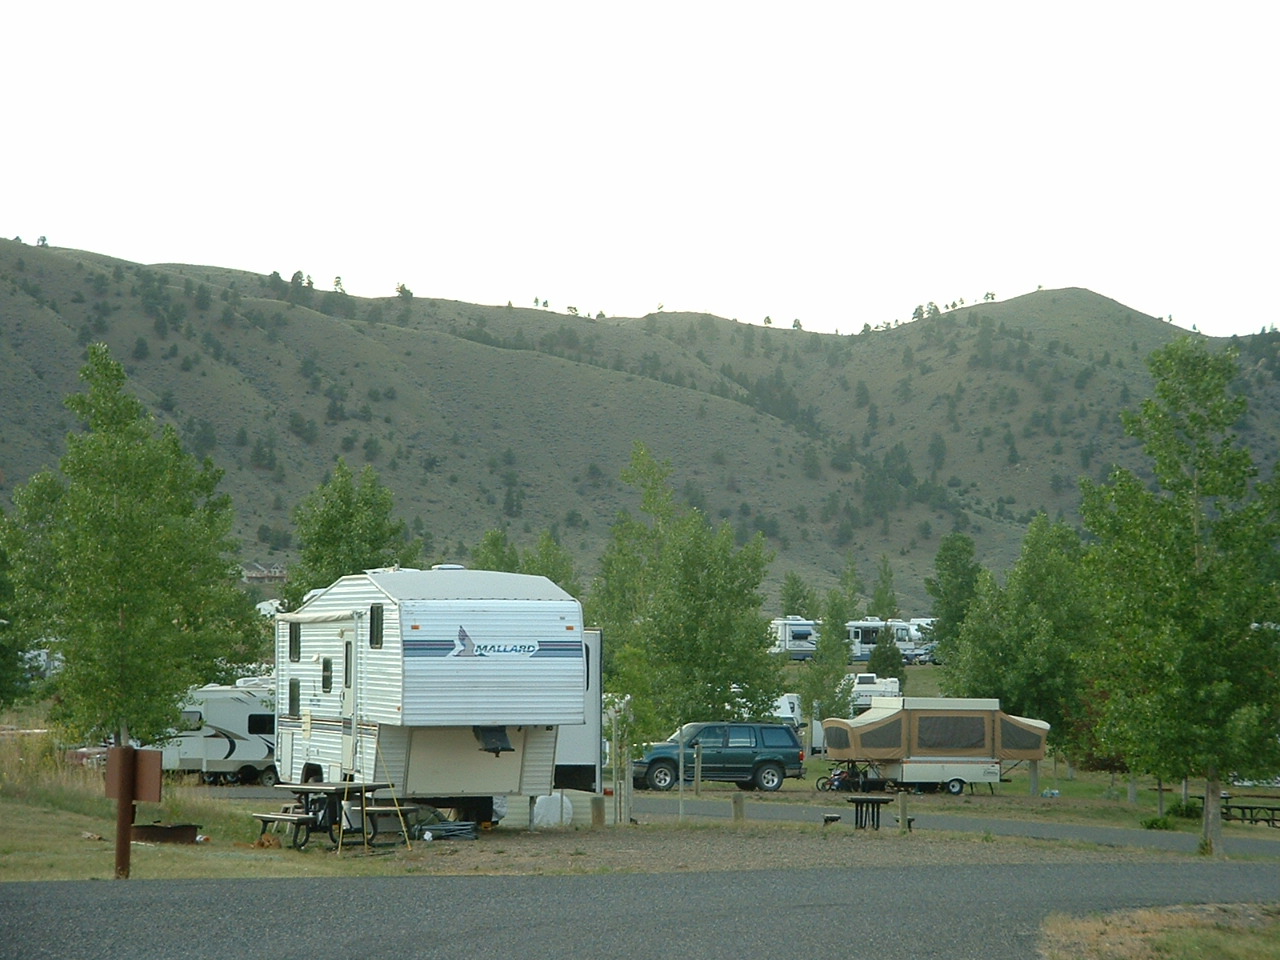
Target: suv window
(777, 737)
(712, 736)
(742, 736)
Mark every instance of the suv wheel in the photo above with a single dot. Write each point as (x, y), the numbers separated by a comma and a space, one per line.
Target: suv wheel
(769, 776)
(661, 776)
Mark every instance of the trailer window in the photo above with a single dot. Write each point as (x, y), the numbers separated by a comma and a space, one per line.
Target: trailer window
(949, 732)
(375, 626)
(262, 723)
(346, 665)
(295, 641)
(192, 720)
(295, 697)
(326, 674)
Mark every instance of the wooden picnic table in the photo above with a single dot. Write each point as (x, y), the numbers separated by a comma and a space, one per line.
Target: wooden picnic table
(319, 805)
(1265, 810)
(866, 810)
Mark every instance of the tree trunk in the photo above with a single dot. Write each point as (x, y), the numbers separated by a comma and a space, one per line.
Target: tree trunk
(1211, 842)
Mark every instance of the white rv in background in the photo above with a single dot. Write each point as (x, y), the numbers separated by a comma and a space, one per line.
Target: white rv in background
(865, 634)
(449, 684)
(227, 733)
(794, 637)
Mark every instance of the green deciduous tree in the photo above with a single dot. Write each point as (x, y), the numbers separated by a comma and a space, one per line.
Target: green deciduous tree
(798, 598)
(884, 599)
(953, 588)
(821, 674)
(681, 605)
(495, 551)
(1188, 571)
(125, 558)
(548, 558)
(886, 660)
(1022, 642)
(12, 648)
(345, 526)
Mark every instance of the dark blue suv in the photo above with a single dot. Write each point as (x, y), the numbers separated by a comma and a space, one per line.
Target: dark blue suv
(752, 755)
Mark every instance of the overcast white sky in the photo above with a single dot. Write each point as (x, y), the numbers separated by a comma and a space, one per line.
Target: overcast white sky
(836, 163)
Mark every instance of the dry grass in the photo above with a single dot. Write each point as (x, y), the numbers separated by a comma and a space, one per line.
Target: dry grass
(1220, 931)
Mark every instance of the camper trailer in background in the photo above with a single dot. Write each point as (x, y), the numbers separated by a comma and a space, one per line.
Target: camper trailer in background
(786, 709)
(794, 637)
(865, 634)
(450, 684)
(933, 742)
(858, 690)
(227, 733)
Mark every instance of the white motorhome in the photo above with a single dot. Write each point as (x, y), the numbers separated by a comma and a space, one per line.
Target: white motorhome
(227, 733)
(794, 637)
(450, 684)
(933, 741)
(865, 634)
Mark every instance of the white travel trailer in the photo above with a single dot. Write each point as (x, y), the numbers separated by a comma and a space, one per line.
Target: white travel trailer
(933, 741)
(450, 684)
(795, 637)
(786, 709)
(227, 733)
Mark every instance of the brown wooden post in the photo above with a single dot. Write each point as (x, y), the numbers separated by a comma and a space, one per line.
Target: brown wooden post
(124, 808)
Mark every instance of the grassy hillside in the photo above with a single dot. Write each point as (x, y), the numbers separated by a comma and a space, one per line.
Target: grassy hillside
(486, 416)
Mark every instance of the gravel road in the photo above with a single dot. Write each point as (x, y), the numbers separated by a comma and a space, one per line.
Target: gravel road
(885, 912)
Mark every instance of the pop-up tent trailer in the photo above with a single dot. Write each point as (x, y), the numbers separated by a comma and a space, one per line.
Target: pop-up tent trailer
(935, 740)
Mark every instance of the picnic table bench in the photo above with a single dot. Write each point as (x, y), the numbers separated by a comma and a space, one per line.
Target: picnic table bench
(1264, 811)
(404, 815)
(302, 823)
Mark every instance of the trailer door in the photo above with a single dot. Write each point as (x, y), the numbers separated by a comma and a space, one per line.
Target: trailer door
(348, 702)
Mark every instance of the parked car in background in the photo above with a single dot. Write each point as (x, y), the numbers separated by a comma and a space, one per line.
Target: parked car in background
(755, 756)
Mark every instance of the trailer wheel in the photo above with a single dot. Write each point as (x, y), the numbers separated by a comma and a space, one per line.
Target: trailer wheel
(661, 776)
(269, 777)
(770, 776)
(955, 787)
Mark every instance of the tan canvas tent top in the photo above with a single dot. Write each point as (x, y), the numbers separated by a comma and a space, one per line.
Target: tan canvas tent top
(897, 728)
